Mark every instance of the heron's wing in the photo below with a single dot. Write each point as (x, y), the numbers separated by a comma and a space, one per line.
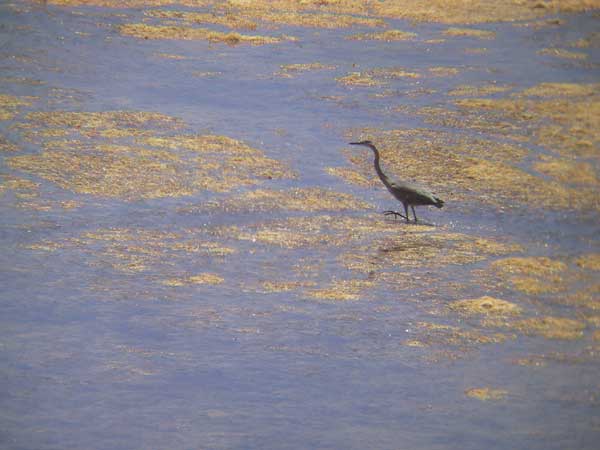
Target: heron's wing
(414, 193)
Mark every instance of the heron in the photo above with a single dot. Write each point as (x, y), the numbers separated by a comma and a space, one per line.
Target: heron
(409, 194)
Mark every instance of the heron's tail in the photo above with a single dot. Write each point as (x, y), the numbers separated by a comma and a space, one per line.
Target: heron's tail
(438, 202)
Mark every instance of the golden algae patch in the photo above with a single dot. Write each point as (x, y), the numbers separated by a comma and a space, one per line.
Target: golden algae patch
(550, 327)
(285, 286)
(408, 248)
(139, 250)
(560, 116)
(561, 90)
(594, 320)
(532, 275)
(203, 278)
(475, 91)
(6, 146)
(101, 124)
(476, 51)
(454, 11)
(388, 36)
(227, 20)
(486, 393)
(470, 32)
(532, 266)
(443, 71)
(300, 199)
(562, 53)
(359, 79)
(449, 335)
(22, 80)
(127, 3)
(588, 297)
(313, 19)
(316, 231)
(590, 40)
(184, 164)
(350, 175)
(567, 171)
(227, 157)
(171, 56)
(341, 290)
(485, 306)
(590, 261)
(143, 31)
(376, 77)
(22, 188)
(391, 73)
(291, 70)
(10, 105)
(129, 175)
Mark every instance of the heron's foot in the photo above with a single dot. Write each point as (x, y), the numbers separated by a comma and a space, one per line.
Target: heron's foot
(395, 214)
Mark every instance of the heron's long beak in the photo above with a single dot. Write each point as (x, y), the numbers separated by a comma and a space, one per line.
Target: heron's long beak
(354, 143)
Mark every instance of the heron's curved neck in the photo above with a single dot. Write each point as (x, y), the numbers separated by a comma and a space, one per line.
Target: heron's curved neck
(377, 166)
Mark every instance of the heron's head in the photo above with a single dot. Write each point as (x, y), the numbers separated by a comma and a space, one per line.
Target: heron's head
(365, 143)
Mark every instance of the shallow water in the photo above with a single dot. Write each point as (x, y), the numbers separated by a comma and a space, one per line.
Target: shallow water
(108, 342)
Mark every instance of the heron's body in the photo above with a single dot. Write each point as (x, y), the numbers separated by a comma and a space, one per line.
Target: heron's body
(409, 194)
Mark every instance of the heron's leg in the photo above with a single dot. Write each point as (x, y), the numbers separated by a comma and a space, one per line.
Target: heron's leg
(406, 212)
(393, 213)
(414, 213)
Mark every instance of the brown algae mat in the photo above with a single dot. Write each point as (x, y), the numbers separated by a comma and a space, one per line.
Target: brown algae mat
(125, 155)
(451, 12)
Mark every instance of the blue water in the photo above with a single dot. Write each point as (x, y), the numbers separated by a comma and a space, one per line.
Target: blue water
(96, 358)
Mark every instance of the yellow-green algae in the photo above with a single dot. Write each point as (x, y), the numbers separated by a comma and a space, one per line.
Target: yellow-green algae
(359, 79)
(590, 261)
(486, 393)
(532, 275)
(567, 171)
(590, 40)
(564, 117)
(449, 335)
(202, 278)
(412, 247)
(550, 327)
(485, 306)
(101, 124)
(227, 20)
(588, 297)
(250, 14)
(298, 199)
(156, 167)
(291, 70)
(341, 290)
(138, 250)
(6, 146)
(475, 91)
(27, 195)
(22, 187)
(11, 104)
(144, 31)
(470, 32)
(445, 11)
(388, 36)
(404, 245)
(562, 53)
(285, 286)
(376, 77)
(443, 71)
